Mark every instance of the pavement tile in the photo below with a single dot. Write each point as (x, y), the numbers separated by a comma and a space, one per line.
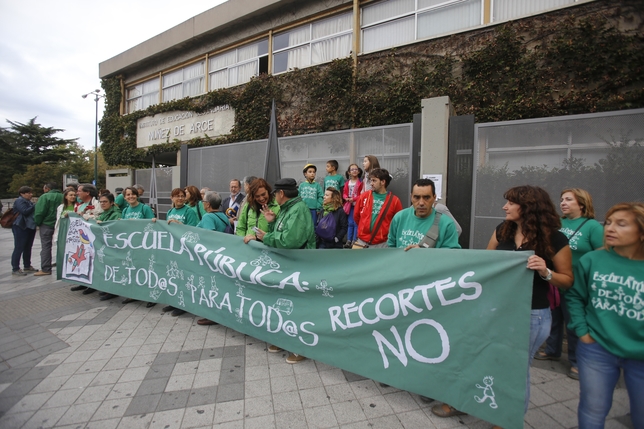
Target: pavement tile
(103, 424)
(143, 404)
(112, 408)
(331, 377)
(283, 384)
(173, 400)
(340, 393)
(31, 402)
(415, 419)
(206, 379)
(78, 381)
(170, 419)
(401, 401)
(348, 412)
(202, 396)
(198, 416)
(230, 392)
(50, 384)
(262, 422)
(94, 394)
(78, 413)
(152, 386)
(135, 422)
(15, 420)
(107, 377)
(46, 418)
(308, 380)
(320, 417)
(180, 382)
(287, 401)
(290, 419)
(539, 419)
(257, 388)
(375, 407)
(124, 390)
(228, 411)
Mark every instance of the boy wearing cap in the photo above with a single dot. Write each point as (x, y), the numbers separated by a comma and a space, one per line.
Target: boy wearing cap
(311, 192)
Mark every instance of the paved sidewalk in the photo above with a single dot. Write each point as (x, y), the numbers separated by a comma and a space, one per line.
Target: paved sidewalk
(68, 360)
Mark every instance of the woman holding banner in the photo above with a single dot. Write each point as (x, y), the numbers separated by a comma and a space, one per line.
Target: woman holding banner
(605, 307)
(531, 223)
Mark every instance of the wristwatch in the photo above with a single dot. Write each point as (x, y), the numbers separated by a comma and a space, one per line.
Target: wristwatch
(548, 276)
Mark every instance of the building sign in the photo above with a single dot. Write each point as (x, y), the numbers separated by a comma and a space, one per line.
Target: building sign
(177, 125)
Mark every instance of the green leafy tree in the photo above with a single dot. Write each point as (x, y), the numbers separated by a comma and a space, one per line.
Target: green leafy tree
(29, 144)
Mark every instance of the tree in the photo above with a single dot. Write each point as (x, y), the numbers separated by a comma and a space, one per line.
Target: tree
(30, 144)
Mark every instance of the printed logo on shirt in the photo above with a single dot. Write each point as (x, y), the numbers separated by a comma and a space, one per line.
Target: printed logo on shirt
(308, 192)
(377, 205)
(619, 294)
(572, 242)
(409, 237)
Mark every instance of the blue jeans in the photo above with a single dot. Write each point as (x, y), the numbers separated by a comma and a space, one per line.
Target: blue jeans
(352, 232)
(560, 320)
(598, 374)
(540, 321)
(314, 216)
(23, 241)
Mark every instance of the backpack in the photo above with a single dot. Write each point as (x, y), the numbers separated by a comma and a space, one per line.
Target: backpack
(229, 228)
(8, 218)
(326, 227)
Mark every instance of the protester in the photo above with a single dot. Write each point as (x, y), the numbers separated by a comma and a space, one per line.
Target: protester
(246, 181)
(605, 307)
(259, 195)
(374, 211)
(311, 192)
(110, 212)
(291, 228)
(88, 206)
(213, 220)
(327, 237)
(232, 203)
(420, 226)
(68, 205)
(333, 179)
(531, 224)
(120, 198)
(180, 212)
(45, 218)
(352, 189)
(135, 209)
(584, 234)
(369, 163)
(193, 200)
(24, 232)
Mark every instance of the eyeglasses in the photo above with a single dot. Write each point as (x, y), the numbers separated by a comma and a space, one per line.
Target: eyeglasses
(353, 169)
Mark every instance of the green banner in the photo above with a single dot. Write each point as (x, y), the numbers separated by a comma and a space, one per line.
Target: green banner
(448, 324)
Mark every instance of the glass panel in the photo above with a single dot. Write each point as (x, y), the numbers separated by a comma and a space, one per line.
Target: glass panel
(223, 60)
(422, 4)
(247, 52)
(385, 10)
(151, 86)
(193, 71)
(172, 93)
(172, 78)
(330, 49)
(389, 34)
(243, 73)
(218, 80)
(333, 25)
(449, 19)
(292, 38)
(193, 87)
(510, 9)
(295, 58)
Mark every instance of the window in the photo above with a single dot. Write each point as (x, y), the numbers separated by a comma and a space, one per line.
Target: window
(397, 22)
(185, 82)
(238, 65)
(319, 42)
(504, 10)
(143, 95)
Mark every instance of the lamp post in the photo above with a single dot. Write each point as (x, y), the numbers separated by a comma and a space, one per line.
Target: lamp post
(98, 95)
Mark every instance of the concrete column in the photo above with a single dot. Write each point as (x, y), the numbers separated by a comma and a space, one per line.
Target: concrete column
(434, 137)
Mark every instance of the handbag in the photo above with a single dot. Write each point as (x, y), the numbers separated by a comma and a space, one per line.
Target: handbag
(377, 226)
(9, 217)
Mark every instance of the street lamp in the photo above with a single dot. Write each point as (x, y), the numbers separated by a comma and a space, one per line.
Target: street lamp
(97, 95)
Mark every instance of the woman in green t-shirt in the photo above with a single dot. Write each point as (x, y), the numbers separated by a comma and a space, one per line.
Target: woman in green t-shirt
(584, 234)
(605, 305)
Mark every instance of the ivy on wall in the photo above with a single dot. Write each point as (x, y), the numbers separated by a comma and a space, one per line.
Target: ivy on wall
(578, 60)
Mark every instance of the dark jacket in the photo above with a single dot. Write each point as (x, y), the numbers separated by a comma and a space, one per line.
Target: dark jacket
(341, 228)
(25, 219)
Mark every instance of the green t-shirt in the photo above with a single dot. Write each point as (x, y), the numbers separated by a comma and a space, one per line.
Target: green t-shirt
(336, 181)
(186, 215)
(588, 238)
(607, 300)
(407, 229)
(140, 211)
(378, 201)
(214, 221)
(312, 194)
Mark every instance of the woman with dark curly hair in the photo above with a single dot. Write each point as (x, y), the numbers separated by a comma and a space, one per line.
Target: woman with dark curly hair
(531, 223)
(260, 195)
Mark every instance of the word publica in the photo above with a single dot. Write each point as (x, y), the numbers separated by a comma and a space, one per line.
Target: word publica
(391, 306)
(215, 260)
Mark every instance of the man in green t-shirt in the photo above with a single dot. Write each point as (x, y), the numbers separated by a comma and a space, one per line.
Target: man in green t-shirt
(410, 226)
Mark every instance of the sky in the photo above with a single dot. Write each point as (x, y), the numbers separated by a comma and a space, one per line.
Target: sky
(50, 51)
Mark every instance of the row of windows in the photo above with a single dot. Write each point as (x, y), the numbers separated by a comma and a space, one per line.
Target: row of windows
(384, 25)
